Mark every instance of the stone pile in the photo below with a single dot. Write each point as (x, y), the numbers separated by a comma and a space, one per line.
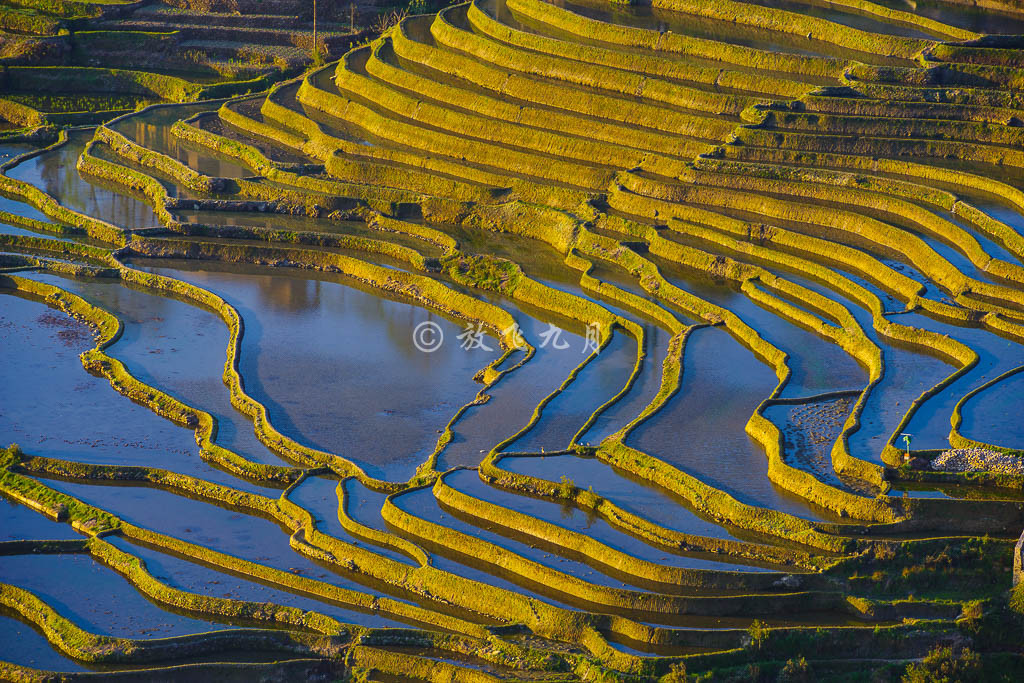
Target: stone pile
(977, 460)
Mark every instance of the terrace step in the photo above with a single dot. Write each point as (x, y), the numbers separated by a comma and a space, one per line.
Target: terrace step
(420, 60)
(229, 49)
(369, 148)
(359, 148)
(168, 15)
(793, 267)
(437, 141)
(252, 7)
(255, 37)
(445, 109)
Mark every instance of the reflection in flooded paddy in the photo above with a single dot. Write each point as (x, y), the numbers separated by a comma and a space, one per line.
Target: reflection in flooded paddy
(305, 351)
(532, 339)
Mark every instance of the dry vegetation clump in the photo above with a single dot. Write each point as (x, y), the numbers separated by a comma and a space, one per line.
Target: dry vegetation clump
(945, 665)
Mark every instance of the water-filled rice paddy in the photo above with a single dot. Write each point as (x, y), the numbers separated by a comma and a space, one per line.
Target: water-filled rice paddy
(530, 341)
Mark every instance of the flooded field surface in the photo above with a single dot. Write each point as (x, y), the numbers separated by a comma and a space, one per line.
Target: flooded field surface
(515, 340)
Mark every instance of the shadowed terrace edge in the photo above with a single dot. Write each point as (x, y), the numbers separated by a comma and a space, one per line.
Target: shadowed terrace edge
(512, 340)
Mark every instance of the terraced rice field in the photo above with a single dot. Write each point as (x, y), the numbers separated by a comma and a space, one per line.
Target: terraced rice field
(78, 62)
(531, 341)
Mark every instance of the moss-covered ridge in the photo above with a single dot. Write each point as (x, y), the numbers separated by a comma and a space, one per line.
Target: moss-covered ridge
(627, 150)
